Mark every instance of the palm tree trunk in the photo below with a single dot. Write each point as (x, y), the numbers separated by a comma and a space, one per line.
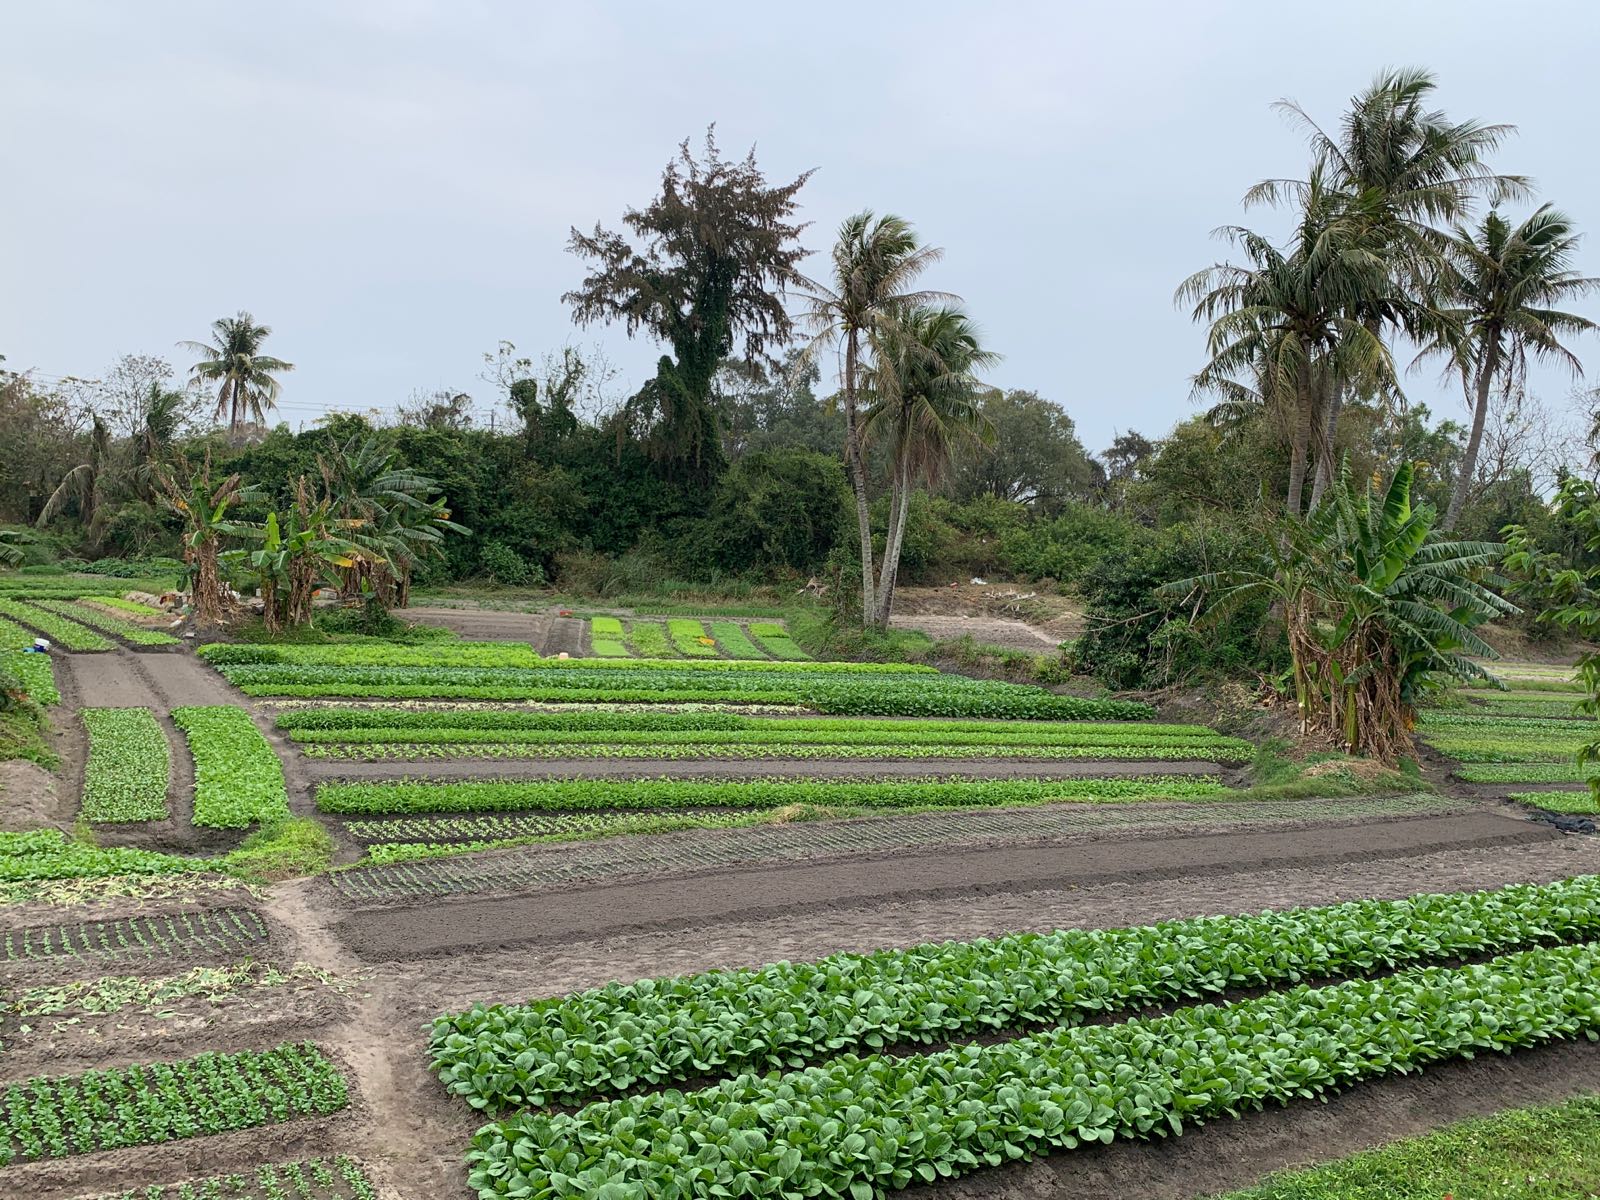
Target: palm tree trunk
(894, 539)
(1327, 434)
(1300, 440)
(1469, 457)
(858, 474)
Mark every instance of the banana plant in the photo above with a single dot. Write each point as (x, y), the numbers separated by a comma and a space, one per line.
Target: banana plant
(1376, 609)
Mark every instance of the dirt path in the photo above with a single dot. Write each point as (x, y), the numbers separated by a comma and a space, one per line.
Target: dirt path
(486, 624)
(986, 631)
(753, 893)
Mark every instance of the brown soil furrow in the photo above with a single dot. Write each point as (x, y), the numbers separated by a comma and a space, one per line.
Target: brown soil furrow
(445, 928)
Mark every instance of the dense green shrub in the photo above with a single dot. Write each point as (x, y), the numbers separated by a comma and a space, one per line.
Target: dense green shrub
(1135, 639)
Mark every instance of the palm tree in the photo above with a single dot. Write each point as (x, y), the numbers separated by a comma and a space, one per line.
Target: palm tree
(926, 400)
(875, 261)
(1504, 281)
(82, 485)
(163, 416)
(1291, 321)
(1393, 168)
(233, 361)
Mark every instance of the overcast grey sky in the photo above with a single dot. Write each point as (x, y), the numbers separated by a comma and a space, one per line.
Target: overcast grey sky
(389, 183)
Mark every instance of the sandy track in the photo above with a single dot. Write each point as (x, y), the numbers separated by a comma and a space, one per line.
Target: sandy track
(753, 893)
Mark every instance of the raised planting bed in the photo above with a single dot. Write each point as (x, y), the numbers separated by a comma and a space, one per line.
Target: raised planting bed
(238, 780)
(775, 640)
(690, 639)
(46, 854)
(128, 631)
(581, 794)
(214, 931)
(126, 776)
(1575, 803)
(838, 693)
(733, 642)
(605, 1041)
(862, 1126)
(340, 1178)
(68, 634)
(375, 654)
(55, 1116)
(37, 672)
(649, 640)
(606, 638)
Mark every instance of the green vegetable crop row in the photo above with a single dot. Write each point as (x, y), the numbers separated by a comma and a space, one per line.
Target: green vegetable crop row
(128, 631)
(375, 654)
(161, 1102)
(836, 694)
(126, 777)
(1527, 772)
(775, 640)
(861, 1127)
(238, 779)
(686, 634)
(606, 638)
(758, 748)
(69, 634)
(504, 796)
(649, 641)
(731, 637)
(311, 1179)
(42, 854)
(37, 673)
(784, 1015)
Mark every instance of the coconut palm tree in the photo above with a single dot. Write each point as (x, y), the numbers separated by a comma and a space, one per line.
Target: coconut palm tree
(875, 260)
(926, 401)
(81, 486)
(1393, 168)
(1292, 321)
(1504, 282)
(244, 377)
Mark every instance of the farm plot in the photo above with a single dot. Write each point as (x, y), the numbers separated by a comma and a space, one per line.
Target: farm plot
(226, 931)
(52, 1117)
(238, 778)
(1529, 734)
(680, 637)
(837, 689)
(340, 1178)
(94, 618)
(787, 1015)
(363, 735)
(899, 1119)
(37, 673)
(126, 777)
(68, 634)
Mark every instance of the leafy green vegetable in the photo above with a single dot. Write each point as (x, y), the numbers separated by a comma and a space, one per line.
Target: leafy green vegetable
(660, 1030)
(58, 629)
(238, 778)
(862, 1127)
(505, 795)
(159, 1102)
(126, 777)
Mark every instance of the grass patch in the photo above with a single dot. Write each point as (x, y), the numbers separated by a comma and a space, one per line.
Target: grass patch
(1550, 1153)
(22, 729)
(297, 846)
(1276, 776)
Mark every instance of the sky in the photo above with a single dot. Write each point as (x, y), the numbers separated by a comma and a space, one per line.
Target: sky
(389, 184)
